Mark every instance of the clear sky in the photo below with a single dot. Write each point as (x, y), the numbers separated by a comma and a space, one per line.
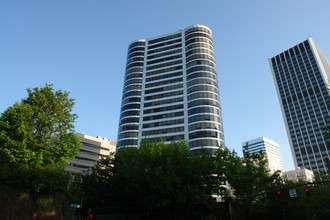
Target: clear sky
(80, 46)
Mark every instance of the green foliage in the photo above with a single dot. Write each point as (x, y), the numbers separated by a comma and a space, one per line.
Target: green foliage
(36, 180)
(169, 180)
(315, 206)
(249, 179)
(38, 131)
(155, 177)
(321, 176)
(37, 138)
(248, 176)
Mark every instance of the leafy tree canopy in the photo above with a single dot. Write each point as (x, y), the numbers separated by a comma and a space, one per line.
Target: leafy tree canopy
(248, 176)
(39, 131)
(170, 178)
(155, 176)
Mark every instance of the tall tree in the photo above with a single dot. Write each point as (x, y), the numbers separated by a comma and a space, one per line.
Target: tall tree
(39, 131)
(248, 177)
(155, 177)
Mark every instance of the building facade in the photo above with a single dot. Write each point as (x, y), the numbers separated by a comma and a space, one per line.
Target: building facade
(299, 174)
(171, 91)
(270, 148)
(91, 150)
(301, 74)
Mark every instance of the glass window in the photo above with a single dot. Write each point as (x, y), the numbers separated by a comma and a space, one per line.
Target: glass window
(163, 116)
(163, 109)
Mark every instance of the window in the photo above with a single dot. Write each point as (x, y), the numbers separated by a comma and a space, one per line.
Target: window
(163, 116)
(163, 123)
(162, 102)
(159, 83)
(164, 76)
(163, 131)
(163, 109)
(166, 88)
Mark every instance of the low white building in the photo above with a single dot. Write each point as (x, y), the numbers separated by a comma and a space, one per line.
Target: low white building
(300, 174)
(90, 152)
(267, 146)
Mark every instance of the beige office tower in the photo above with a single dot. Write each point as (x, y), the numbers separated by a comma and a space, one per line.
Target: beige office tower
(91, 151)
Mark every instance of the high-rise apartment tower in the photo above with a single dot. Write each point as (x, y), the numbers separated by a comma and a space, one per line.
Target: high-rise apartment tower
(301, 74)
(171, 91)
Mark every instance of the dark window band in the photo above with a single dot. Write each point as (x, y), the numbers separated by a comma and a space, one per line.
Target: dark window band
(163, 109)
(163, 131)
(163, 116)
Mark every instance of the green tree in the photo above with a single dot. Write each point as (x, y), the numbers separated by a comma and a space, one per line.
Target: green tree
(248, 177)
(39, 131)
(36, 138)
(155, 178)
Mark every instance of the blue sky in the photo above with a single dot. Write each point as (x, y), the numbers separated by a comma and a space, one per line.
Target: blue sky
(80, 46)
